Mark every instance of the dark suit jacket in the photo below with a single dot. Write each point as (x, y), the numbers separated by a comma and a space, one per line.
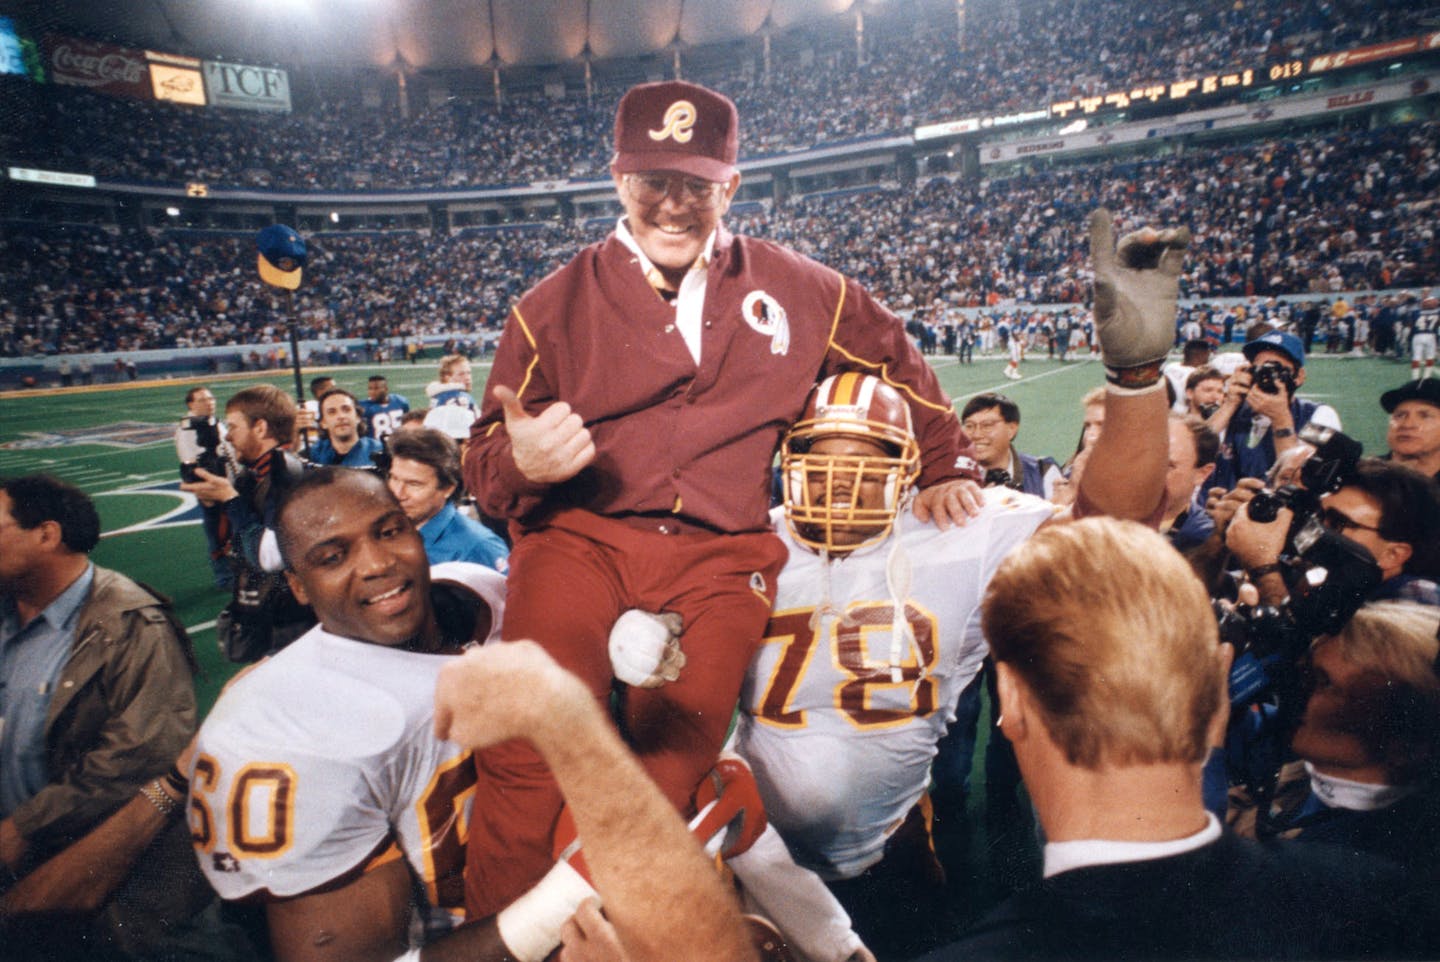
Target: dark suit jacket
(1231, 899)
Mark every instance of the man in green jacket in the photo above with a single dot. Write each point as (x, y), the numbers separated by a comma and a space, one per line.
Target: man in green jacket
(96, 676)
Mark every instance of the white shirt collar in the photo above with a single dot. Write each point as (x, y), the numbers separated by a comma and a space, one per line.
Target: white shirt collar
(689, 300)
(1336, 792)
(1085, 852)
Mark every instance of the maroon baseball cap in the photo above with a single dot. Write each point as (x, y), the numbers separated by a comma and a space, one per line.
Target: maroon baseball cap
(674, 125)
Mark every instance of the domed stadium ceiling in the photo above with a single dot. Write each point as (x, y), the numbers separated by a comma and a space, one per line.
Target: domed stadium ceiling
(426, 34)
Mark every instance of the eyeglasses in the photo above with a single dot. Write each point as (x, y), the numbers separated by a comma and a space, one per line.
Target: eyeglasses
(987, 425)
(694, 192)
(1340, 522)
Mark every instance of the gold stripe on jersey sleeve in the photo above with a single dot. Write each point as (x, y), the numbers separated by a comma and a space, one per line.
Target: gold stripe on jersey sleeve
(529, 368)
(879, 369)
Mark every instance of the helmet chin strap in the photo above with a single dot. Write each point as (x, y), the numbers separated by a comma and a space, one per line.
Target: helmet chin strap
(898, 576)
(827, 608)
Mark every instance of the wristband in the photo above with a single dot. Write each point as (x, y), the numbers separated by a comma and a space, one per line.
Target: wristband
(1137, 377)
(177, 781)
(1261, 571)
(412, 956)
(1284, 433)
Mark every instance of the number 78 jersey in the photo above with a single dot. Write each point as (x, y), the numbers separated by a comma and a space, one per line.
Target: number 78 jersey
(838, 721)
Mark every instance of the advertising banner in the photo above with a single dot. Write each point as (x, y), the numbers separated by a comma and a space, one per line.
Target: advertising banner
(99, 66)
(176, 78)
(246, 87)
(1219, 118)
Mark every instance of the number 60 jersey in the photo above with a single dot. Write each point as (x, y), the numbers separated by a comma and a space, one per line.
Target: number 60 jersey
(839, 720)
(320, 761)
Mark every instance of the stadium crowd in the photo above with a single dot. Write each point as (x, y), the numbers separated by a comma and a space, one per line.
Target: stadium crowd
(1319, 214)
(824, 94)
(433, 732)
(370, 785)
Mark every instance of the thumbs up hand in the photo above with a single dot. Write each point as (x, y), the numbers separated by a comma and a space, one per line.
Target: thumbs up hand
(550, 447)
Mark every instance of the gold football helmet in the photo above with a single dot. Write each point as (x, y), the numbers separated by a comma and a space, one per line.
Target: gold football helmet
(848, 463)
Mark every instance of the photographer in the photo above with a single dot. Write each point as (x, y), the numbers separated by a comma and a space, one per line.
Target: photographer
(1387, 509)
(1366, 745)
(200, 443)
(1260, 417)
(263, 615)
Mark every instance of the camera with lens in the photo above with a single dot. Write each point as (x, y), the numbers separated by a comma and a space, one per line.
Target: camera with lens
(200, 446)
(998, 478)
(1270, 376)
(1328, 576)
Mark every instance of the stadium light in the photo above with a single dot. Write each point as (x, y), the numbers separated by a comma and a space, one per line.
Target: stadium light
(173, 211)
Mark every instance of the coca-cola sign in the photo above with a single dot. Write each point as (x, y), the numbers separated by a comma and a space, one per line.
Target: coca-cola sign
(99, 66)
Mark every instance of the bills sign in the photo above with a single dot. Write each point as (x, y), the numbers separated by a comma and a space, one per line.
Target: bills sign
(251, 88)
(99, 66)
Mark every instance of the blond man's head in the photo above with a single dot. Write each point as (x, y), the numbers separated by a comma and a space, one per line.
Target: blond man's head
(1112, 634)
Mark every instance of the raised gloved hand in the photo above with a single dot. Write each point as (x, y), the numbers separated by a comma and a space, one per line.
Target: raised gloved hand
(1137, 284)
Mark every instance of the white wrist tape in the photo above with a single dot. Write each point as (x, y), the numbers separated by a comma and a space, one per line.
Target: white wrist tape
(412, 956)
(530, 925)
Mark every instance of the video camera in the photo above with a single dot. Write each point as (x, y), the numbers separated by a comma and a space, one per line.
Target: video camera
(1328, 575)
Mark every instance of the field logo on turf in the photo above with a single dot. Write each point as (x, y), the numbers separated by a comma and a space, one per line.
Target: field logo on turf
(121, 434)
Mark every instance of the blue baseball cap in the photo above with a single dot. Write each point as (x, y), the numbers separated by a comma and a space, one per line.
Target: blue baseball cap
(1287, 344)
(282, 255)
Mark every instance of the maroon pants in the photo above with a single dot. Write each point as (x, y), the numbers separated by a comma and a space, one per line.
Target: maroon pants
(568, 584)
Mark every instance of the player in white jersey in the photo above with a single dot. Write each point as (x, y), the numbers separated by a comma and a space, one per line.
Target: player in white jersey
(1016, 345)
(322, 761)
(1422, 338)
(875, 629)
(317, 782)
(839, 744)
(319, 785)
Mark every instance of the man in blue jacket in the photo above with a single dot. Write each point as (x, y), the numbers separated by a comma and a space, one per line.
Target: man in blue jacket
(343, 444)
(424, 476)
(1261, 417)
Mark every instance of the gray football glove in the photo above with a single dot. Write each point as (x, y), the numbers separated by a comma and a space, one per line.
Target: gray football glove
(1136, 287)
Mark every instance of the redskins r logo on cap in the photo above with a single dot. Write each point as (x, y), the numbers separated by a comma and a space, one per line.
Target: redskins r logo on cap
(679, 123)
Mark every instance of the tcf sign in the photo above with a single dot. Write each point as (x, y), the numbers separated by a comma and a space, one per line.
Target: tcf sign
(253, 88)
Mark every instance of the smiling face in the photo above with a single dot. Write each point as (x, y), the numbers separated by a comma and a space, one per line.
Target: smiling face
(1209, 392)
(846, 477)
(671, 228)
(992, 436)
(358, 561)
